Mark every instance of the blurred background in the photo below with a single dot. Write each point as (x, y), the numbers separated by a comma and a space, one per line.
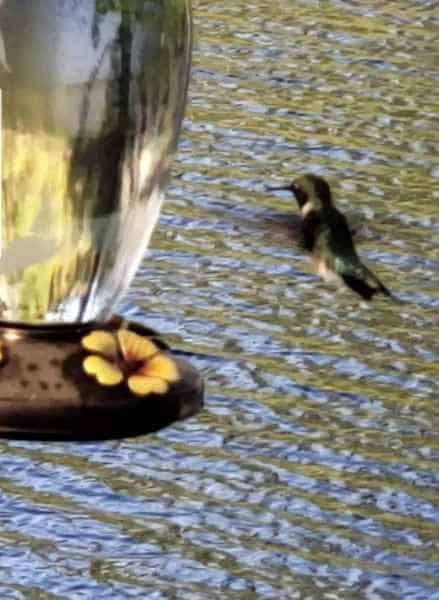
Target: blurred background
(313, 470)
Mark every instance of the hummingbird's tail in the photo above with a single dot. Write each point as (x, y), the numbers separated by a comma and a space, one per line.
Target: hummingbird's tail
(380, 286)
(365, 289)
(360, 286)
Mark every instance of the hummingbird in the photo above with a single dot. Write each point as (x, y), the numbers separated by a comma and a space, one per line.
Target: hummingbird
(325, 234)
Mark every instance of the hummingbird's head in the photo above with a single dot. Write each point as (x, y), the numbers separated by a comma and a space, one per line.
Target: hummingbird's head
(310, 191)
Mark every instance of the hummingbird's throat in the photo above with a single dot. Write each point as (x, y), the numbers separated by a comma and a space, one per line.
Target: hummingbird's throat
(307, 208)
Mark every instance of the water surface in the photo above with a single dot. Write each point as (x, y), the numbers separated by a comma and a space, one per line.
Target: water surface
(313, 470)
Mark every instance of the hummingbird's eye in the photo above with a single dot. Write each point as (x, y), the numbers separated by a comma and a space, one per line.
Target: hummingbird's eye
(301, 196)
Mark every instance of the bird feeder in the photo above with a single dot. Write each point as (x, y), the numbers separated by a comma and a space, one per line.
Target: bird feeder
(92, 98)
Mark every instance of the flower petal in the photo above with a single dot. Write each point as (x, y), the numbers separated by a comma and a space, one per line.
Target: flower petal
(105, 372)
(102, 342)
(161, 366)
(135, 347)
(143, 386)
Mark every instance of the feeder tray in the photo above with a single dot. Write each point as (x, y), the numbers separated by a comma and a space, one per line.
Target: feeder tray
(91, 382)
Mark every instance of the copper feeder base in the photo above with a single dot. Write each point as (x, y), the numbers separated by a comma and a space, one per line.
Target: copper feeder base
(45, 393)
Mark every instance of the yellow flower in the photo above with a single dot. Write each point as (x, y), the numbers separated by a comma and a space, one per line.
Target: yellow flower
(127, 355)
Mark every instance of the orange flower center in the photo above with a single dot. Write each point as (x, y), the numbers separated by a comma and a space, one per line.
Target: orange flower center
(129, 365)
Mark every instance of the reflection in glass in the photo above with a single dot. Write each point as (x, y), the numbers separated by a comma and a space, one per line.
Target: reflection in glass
(93, 93)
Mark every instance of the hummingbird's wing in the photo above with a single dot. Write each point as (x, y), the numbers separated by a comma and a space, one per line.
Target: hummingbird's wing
(339, 235)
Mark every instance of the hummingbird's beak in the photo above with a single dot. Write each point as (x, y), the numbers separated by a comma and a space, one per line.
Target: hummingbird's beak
(278, 189)
(284, 188)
